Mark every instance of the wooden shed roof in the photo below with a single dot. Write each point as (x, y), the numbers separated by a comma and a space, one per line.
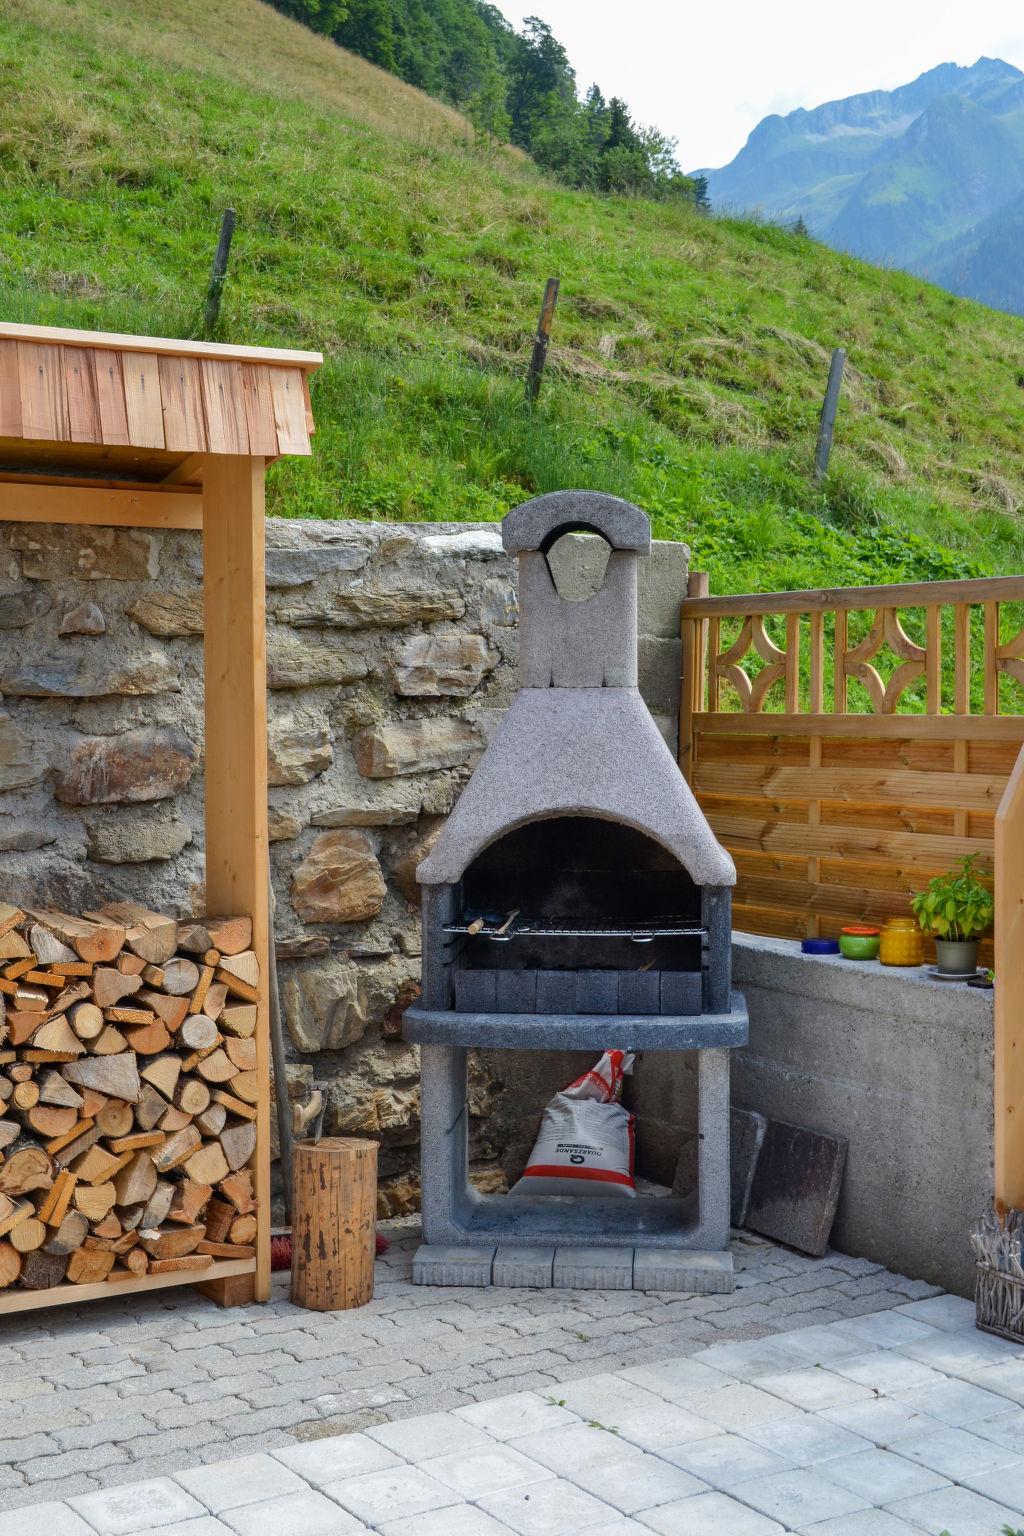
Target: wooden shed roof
(91, 403)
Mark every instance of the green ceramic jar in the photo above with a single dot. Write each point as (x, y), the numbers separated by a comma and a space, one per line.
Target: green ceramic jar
(858, 942)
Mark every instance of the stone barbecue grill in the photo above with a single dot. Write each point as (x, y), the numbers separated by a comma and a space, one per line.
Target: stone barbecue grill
(576, 899)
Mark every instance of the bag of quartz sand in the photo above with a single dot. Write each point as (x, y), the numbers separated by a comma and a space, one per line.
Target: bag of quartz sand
(586, 1141)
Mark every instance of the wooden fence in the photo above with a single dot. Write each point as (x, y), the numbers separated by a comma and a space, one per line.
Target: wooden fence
(847, 745)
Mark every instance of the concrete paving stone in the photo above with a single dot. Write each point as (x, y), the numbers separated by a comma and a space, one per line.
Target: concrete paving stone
(725, 1460)
(865, 1522)
(512, 1416)
(253, 1420)
(376, 1497)
(177, 1414)
(593, 1268)
(885, 1421)
(244, 1480)
(951, 1313)
(24, 1447)
(818, 1343)
(815, 1388)
(881, 1476)
(56, 1488)
(566, 1449)
(637, 1482)
(335, 1457)
(1005, 1485)
(740, 1407)
(886, 1370)
(1006, 1430)
(295, 1514)
(436, 1264)
(746, 1362)
(681, 1269)
(799, 1498)
(136, 1507)
(473, 1473)
(203, 1525)
(953, 1401)
(554, 1508)
(807, 1440)
(667, 1425)
(50, 1519)
(677, 1380)
(1005, 1379)
(959, 1510)
(961, 1352)
(955, 1453)
(461, 1520)
(595, 1397)
(709, 1514)
(522, 1265)
(424, 1438)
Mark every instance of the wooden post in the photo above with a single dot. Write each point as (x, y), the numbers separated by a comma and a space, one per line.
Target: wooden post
(334, 1223)
(694, 661)
(830, 405)
(219, 270)
(1008, 1051)
(540, 342)
(237, 865)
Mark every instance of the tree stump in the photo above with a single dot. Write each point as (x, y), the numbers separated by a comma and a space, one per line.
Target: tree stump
(334, 1223)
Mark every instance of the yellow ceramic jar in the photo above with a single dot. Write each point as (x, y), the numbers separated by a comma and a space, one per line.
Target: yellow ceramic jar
(902, 942)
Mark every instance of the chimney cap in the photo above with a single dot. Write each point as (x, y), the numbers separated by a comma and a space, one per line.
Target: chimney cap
(536, 524)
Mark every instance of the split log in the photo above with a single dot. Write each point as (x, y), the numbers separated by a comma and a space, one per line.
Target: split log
(211, 1121)
(219, 1216)
(238, 1019)
(190, 1200)
(193, 938)
(242, 1053)
(10, 1264)
(110, 986)
(28, 1169)
(136, 1261)
(54, 1089)
(192, 1096)
(151, 935)
(198, 1032)
(41, 1271)
(231, 935)
(88, 1266)
(12, 1212)
(26, 1095)
(74, 1148)
(171, 1242)
(238, 1143)
(237, 986)
(187, 1261)
(54, 1207)
(96, 1166)
(163, 1073)
(176, 1149)
(174, 1119)
(59, 1143)
(158, 1205)
(46, 947)
(170, 1010)
(238, 1190)
(28, 1235)
(132, 965)
(243, 1230)
(10, 1130)
(208, 1165)
(117, 1076)
(110, 1043)
(57, 1035)
(94, 1200)
(97, 942)
(136, 1181)
(71, 1234)
(226, 1250)
(136, 1141)
(87, 1021)
(150, 1107)
(216, 1068)
(202, 987)
(246, 1086)
(216, 998)
(13, 946)
(48, 1121)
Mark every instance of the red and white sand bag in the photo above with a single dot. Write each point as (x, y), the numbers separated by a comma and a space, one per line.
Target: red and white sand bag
(585, 1145)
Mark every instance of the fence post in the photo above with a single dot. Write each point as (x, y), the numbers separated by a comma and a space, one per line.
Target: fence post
(540, 342)
(693, 633)
(827, 422)
(219, 270)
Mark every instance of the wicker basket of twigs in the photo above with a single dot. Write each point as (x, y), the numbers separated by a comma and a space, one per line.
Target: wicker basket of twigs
(999, 1289)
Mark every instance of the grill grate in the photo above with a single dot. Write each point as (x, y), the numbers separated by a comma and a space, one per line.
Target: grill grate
(562, 928)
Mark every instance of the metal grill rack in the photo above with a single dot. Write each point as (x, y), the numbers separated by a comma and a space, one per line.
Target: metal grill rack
(559, 928)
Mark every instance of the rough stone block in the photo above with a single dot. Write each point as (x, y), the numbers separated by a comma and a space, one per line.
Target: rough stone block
(515, 991)
(796, 1186)
(435, 1264)
(597, 991)
(152, 763)
(414, 746)
(522, 1265)
(431, 666)
(681, 1269)
(340, 880)
(593, 1269)
(296, 752)
(476, 991)
(556, 991)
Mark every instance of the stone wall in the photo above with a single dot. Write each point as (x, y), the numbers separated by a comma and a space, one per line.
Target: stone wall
(391, 656)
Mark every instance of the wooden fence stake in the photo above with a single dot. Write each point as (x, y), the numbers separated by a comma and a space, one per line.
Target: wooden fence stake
(830, 405)
(219, 270)
(540, 341)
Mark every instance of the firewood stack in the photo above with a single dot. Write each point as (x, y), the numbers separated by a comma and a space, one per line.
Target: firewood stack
(128, 1092)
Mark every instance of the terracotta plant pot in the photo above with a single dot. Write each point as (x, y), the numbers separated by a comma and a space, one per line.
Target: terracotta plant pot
(957, 957)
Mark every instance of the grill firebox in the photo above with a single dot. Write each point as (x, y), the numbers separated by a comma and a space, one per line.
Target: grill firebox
(576, 899)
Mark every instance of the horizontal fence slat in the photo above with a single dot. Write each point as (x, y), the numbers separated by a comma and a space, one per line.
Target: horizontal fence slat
(887, 786)
(912, 727)
(771, 836)
(910, 594)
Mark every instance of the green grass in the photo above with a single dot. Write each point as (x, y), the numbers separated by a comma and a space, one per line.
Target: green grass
(690, 353)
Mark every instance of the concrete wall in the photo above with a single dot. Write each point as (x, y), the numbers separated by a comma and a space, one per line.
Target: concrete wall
(391, 656)
(899, 1064)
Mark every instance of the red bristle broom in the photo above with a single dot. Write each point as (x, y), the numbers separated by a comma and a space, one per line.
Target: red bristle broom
(281, 1249)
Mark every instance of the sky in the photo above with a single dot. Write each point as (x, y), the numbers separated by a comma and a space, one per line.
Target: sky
(706, 74)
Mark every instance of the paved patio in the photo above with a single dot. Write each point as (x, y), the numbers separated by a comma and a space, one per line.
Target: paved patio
(140, 1387)
(892, 1423)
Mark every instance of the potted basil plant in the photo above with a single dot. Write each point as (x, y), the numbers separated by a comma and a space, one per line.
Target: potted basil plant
(956, 908)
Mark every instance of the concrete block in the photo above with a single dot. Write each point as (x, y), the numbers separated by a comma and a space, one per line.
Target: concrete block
(436, 1264)
(245, 1480)
(514, 1265)
(556, 992)
(681, 1269)
(295, 1514)
(137, 1507)
(475, 991)
(746, 1136)
(639, 992)
(681, 992)
(535, 523)
(796, 1186)
(593, 1269)
(597, 991)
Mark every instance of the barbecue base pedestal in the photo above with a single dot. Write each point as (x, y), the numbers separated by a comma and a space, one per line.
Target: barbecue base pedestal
(465, 1232)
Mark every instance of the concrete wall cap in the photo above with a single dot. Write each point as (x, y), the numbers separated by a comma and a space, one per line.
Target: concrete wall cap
(537, 523)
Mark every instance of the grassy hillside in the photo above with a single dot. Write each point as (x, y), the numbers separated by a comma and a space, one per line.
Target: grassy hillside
(691, 353)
